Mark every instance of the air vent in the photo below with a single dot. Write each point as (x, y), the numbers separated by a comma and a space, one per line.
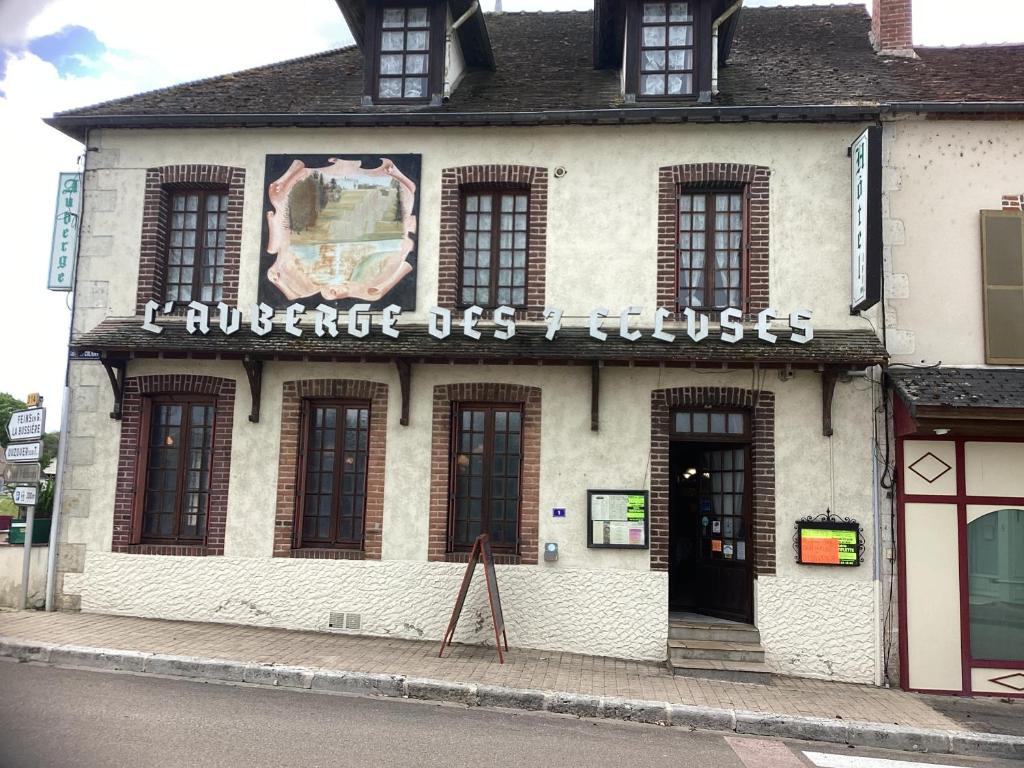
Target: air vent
(342, 621)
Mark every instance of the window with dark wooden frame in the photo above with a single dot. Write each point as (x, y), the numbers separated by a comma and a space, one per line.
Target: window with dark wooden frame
(495, 233)
(197, 234)
(711, 244)
(486, 476)
(1002, 252)
(179, 453)
(332, 471)
(403, 61)
(666, 50)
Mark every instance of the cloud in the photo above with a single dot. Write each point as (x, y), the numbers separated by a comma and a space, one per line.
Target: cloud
(15, 16)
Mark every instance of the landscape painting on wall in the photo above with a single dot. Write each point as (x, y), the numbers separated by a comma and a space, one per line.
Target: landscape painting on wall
(340, 230)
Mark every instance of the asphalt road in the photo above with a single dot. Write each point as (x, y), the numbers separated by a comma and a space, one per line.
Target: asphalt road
(67, 717)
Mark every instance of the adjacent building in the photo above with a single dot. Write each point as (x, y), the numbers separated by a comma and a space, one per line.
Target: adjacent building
(580, 281)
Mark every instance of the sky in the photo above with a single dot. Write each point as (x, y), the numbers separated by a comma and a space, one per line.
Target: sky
(60, 54)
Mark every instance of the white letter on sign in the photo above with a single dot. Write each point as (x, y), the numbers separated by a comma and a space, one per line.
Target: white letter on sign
(764, 318)
(325, 321)
(554, 320)
(624, 331)
(358, 321)
(262, 321)
(595, 323)
(504, 317)
(801, 321)
(691, 317)
(660, 316)
(469, 320)
(292, 318)
(147, 322)
(388, 318)
(732, 328)
(228, 318)
(445, 317)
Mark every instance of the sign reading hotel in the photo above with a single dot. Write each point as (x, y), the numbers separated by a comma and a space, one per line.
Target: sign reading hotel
(65, 232)
(326, 322)
(340, 229)
(866, 217)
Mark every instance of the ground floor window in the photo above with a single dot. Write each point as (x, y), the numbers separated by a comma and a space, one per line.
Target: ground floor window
(995, 547)
(486, 475)
(335, 454)
(178, 465)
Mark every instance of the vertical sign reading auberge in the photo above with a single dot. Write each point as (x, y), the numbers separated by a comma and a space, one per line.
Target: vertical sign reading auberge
(866, 217)
(65, 232)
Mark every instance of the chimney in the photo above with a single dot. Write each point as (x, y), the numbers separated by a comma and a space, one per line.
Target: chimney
(892, 27)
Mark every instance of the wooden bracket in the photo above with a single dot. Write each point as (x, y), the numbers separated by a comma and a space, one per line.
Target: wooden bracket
(404, 381)
(595, 396)
(115, 372)
(254, 372)
(828, 389)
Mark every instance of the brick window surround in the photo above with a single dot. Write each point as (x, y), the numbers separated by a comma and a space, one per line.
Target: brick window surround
(160, 184)
(447, 395)
(455, 181)
(127, 530)
(1013, 202)
(761, 407)
(374, 393)
(754, 181)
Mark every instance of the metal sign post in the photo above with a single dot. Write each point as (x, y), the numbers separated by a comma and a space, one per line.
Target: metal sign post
(29, 519)
(25, 429)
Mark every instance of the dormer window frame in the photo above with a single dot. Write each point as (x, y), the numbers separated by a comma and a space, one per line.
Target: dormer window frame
(699, 48)
(375, 15)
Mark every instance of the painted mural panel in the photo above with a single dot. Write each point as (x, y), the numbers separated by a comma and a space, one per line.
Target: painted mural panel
(340, 229)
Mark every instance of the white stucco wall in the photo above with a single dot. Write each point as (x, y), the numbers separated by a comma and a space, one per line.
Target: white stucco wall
(938, 176)
(11, 560)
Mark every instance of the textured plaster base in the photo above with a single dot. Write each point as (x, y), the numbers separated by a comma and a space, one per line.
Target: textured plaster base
(820, 628)
(600, 613)
(11, 560)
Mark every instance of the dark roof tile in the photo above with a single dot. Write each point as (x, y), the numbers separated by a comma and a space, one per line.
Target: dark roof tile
(960, 387)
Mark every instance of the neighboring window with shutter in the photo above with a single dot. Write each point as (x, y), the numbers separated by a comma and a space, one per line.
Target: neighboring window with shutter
(1002, 244)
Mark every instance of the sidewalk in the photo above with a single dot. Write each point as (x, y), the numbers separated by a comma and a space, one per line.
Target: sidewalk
(534, 671)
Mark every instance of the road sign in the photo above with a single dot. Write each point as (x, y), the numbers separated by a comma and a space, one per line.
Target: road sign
(27, 425)
(32, 401)
(22, 474)
(22, 452)
(25, 496)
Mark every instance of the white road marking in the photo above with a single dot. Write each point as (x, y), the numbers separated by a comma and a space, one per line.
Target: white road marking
(823, 760)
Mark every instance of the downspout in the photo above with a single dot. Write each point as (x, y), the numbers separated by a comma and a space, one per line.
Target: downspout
(449, 40)
(714, 42)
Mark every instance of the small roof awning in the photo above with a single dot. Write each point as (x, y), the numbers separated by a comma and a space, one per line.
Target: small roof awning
(960, 401)
(124, 338)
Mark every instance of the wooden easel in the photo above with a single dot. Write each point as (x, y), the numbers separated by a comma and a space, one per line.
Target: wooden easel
(481, 552)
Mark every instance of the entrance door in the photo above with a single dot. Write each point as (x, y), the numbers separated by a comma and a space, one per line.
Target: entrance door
(710, 530)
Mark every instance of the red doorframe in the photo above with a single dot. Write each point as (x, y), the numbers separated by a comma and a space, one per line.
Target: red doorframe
(962, 501)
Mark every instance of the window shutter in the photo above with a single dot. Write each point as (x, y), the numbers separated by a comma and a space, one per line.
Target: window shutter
(1002, 245)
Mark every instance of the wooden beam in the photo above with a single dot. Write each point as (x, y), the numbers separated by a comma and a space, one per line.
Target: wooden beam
(115, 372)
(254, 372)
(595, 396)
(828, 389)
(404, 382)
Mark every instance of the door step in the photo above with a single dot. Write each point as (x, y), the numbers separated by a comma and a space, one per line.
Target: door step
(712, 648)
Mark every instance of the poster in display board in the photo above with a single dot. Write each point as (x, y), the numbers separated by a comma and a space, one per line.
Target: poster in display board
(829, 542)
(618, 519)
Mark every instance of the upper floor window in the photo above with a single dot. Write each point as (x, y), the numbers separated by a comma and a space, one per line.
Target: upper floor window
(196, 246)
(403, 62)
(710, 249)
(495, 228)
(665, 46)
(1003, 267)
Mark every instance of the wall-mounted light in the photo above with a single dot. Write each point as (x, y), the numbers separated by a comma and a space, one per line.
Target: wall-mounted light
(941, 432)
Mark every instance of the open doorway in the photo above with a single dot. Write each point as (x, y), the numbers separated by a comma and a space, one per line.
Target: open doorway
(710, 531)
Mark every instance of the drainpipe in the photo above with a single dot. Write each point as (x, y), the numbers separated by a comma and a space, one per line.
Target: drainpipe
(714, 42)
(448, 41)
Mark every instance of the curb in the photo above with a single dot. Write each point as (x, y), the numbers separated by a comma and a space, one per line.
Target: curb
(853, 733)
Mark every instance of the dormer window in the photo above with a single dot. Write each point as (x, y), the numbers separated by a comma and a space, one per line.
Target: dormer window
(403, 64)
(666, 50)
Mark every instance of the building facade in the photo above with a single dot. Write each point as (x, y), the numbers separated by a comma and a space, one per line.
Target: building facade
(336, 317)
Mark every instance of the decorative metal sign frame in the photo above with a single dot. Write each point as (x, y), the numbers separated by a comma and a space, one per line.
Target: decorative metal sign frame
(828, 522)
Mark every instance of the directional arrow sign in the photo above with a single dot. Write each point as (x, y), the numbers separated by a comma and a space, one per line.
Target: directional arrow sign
(27, 425)
(21, 452)
(22, 474)
(26, 496)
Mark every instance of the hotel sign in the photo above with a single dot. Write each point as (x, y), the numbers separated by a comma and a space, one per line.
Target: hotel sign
(325, 322)
(866, 218)
(65, 232)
